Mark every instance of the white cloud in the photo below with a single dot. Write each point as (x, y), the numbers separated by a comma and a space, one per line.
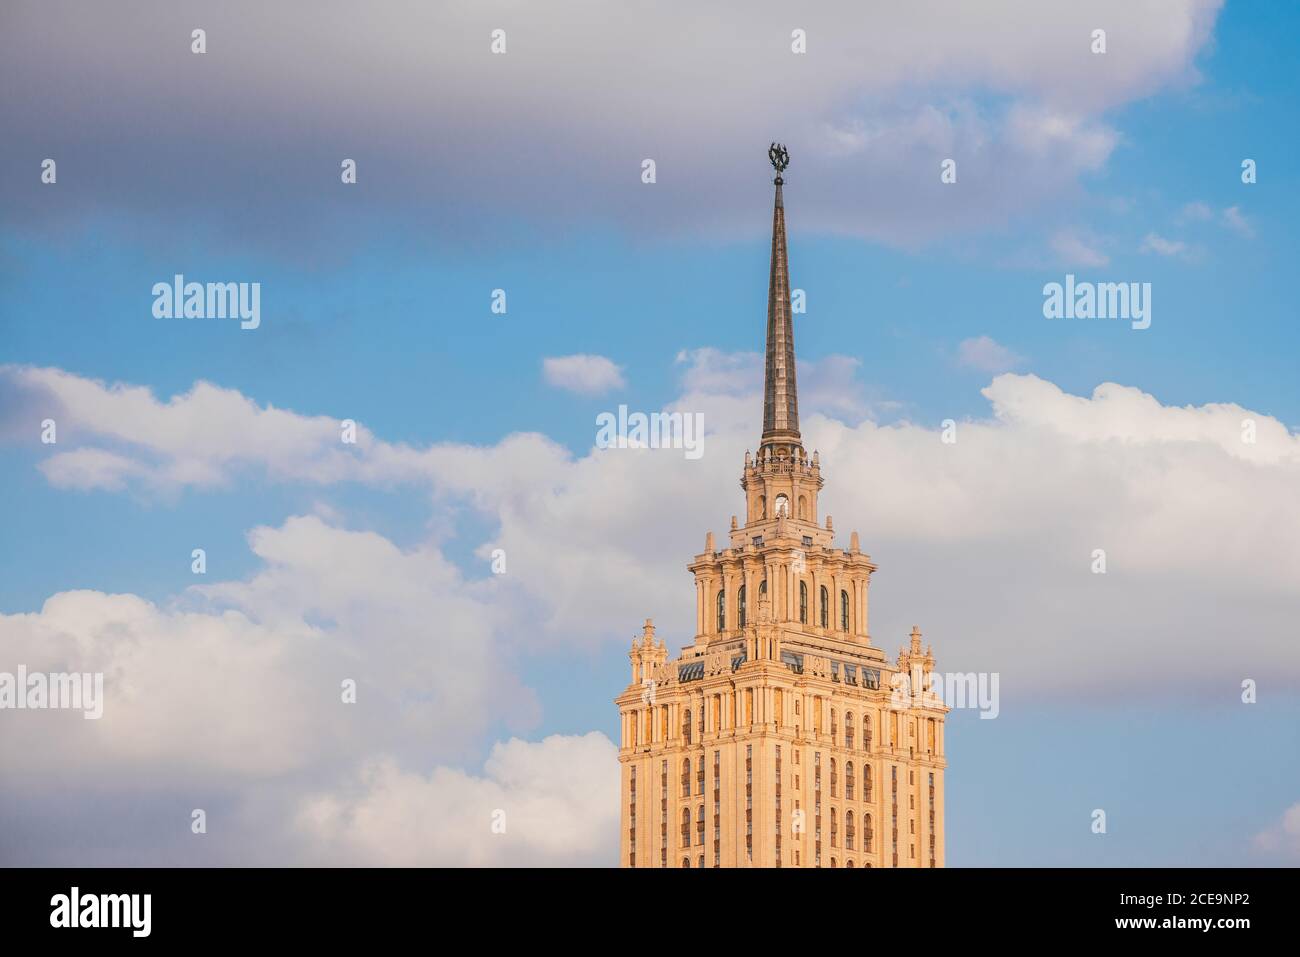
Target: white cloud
(553, 802)
(232, 689)
(197, 439)
(1074, 249)
(244, 678)
(1234, 220)
(1154, 243)
(583, 374)
(987, 355)
(232, 695)
(1191, 517)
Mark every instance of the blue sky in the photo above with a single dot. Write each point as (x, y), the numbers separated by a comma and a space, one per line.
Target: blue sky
(380, 313)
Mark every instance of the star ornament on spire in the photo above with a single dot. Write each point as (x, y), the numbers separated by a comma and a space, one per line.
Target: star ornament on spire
(780, 158)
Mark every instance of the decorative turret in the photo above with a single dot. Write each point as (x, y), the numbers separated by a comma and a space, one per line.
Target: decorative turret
(917, 665)
(646, 655)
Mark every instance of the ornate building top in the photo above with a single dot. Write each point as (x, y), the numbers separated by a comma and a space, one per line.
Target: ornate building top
(725, 746)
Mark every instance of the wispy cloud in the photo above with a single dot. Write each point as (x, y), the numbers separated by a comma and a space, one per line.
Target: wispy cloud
(1171, 248)
(1195, 212)
(1230, 218)
(1234, 220)
(1076, 249)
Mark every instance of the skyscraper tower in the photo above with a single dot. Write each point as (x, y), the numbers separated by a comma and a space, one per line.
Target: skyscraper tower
(781, 736)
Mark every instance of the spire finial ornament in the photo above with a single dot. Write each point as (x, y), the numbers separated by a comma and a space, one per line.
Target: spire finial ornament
(780, 158)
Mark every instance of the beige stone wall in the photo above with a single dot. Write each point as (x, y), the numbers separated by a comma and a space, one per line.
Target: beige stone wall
(764, 731)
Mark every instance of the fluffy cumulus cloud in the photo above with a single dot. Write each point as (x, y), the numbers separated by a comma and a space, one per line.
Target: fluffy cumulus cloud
(234, 695)
(870, 110)
(583, 374)
(991, 543)
(553, 802)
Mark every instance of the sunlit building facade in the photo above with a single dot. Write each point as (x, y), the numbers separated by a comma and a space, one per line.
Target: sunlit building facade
(781, 736)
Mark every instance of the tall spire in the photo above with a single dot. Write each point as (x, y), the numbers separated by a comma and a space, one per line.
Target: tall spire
(780, 397)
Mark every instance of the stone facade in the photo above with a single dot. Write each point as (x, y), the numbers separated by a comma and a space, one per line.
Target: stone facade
(781, 737)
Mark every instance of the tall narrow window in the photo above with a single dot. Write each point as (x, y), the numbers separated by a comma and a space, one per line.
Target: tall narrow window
(722, 610)
(848, 730)
(686, 778)
(848, 830)
(866, 783)
(844, 611)
(686, 831)
(686, 726)
(835, 781)
(740, 607)
(803, 603)
(848, 780)
(825, 607)
(866, 833)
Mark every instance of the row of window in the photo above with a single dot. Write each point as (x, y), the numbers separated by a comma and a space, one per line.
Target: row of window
(850, 831)
(744, 714)
(742, 614)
